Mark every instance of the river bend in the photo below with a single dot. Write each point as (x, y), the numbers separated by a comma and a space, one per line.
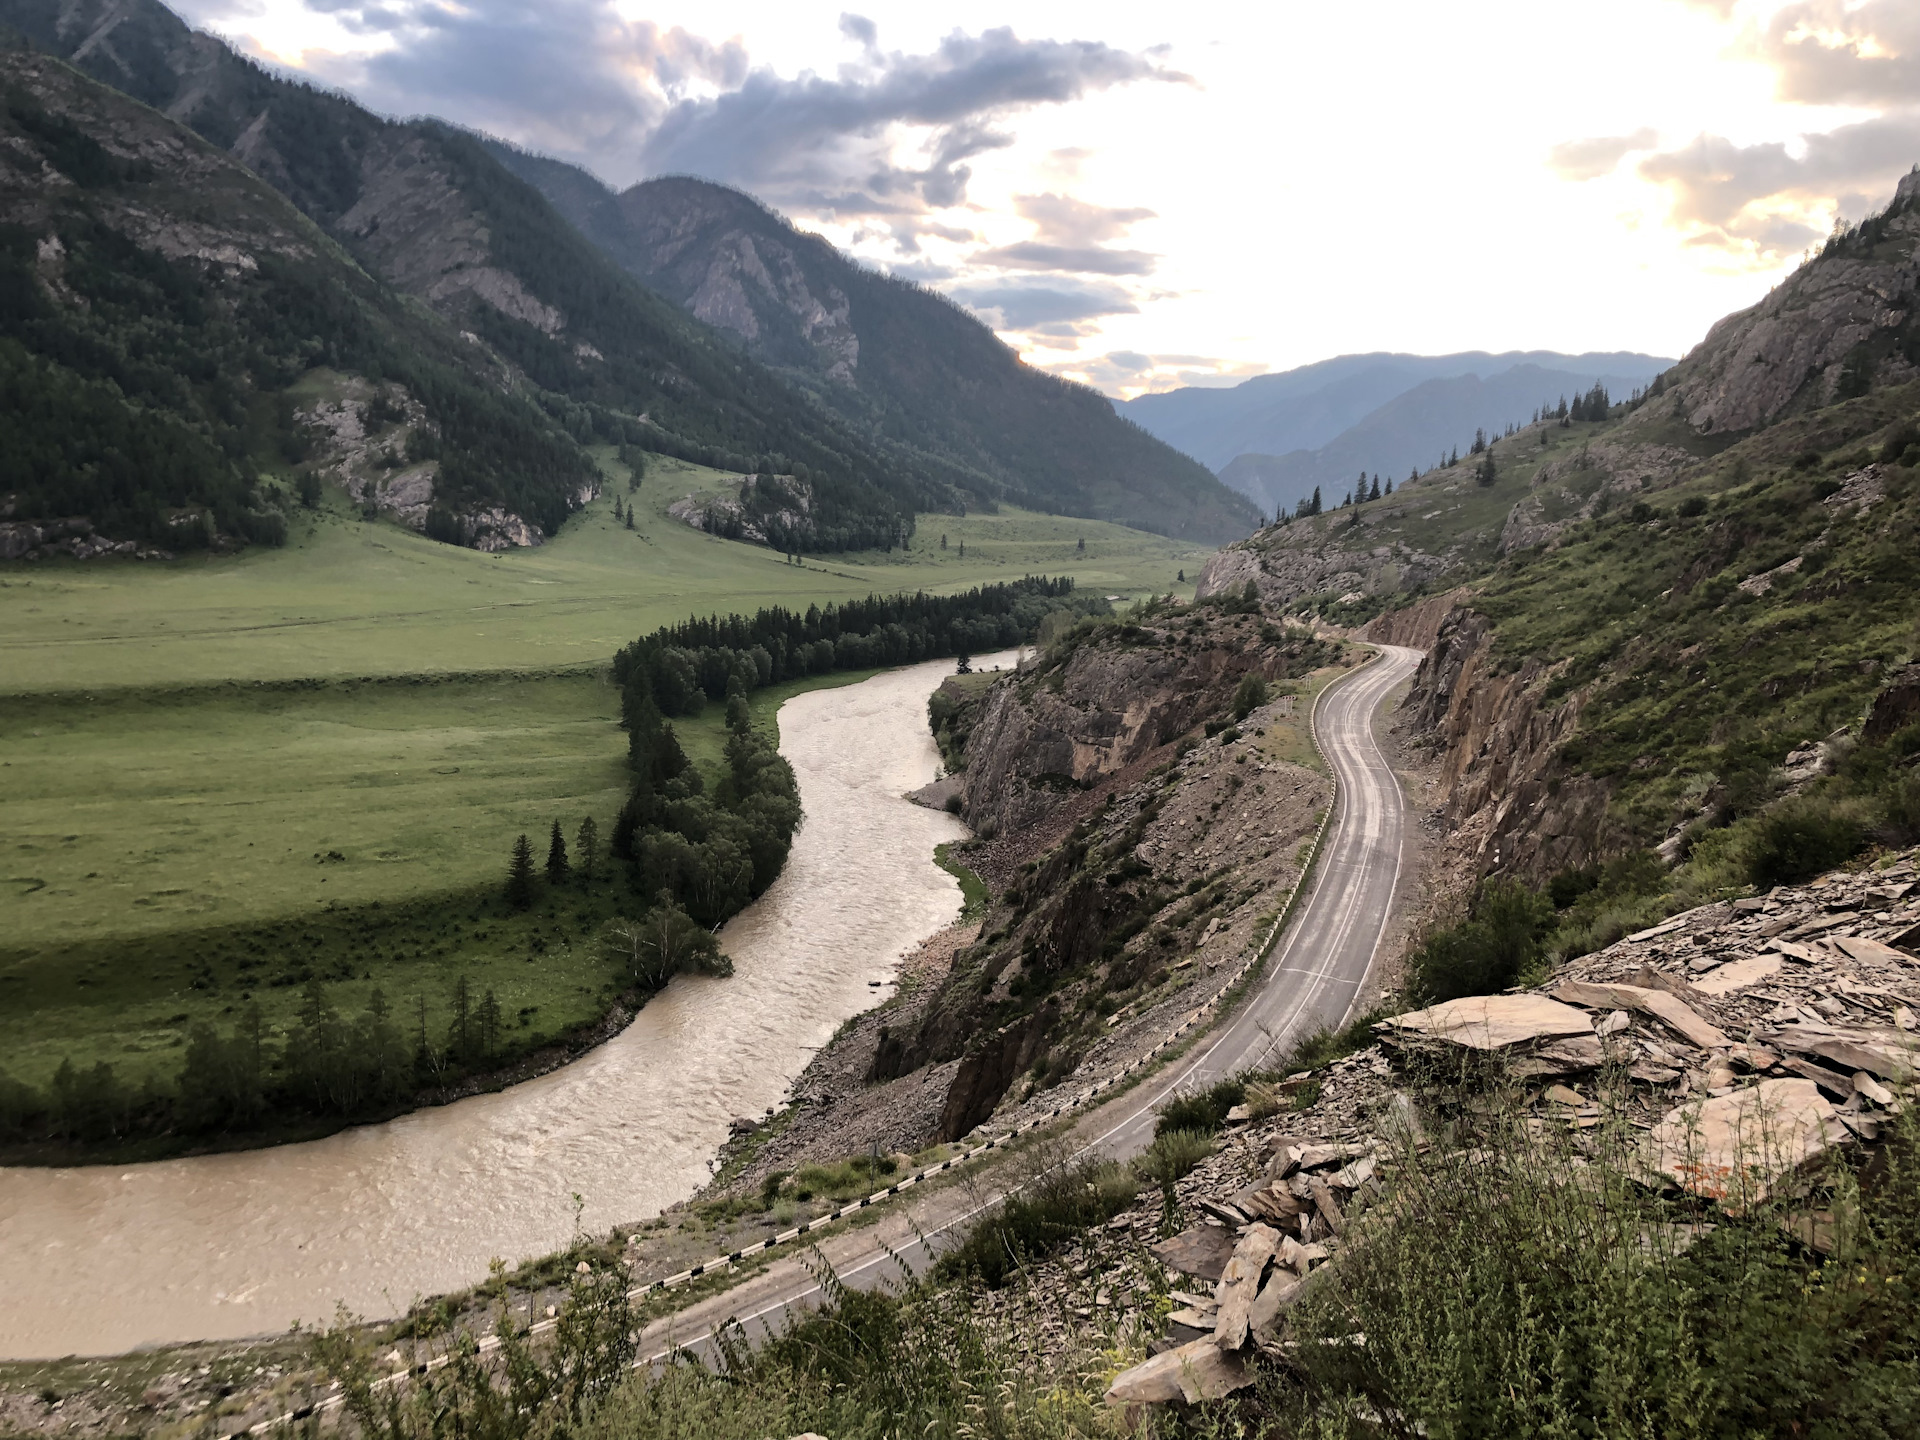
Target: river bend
(99, 1259)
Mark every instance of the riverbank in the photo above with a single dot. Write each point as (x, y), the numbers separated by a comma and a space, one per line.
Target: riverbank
(374, 1217)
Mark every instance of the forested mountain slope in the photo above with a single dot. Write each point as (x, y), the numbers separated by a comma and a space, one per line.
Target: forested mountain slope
(425, 208)
(159, 303)
(1681, 634)
(924, 381)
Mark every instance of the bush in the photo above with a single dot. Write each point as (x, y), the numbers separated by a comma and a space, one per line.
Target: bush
(1799, 838)
(1250, 696)
(1203, 1112)
(1495, 948)
(1053, 1209)
(1172, 1156)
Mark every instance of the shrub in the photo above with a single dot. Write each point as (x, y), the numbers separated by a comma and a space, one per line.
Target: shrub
(1250, 696)
(1495, 948)
(1202, 1112)
(1799, 838)
(1172, 1156)
(1051, 1210)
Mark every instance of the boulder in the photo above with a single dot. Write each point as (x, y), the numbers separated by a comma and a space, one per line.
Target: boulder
(1199, 1370)
(1240, 1284)
(1732, 1148)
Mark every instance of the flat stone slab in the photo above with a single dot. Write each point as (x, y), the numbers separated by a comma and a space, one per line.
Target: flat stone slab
(1737, 975)
(1493, 1022)
(1733, 1147)
(1201, 1250)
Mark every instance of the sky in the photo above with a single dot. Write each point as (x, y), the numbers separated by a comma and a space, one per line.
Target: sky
(1150, 196)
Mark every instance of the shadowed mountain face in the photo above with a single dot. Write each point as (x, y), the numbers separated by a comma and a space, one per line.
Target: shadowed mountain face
(428, 210)
(1275, 437)
(919, 378)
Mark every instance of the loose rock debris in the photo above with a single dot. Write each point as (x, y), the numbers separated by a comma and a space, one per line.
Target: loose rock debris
(1755, 1037)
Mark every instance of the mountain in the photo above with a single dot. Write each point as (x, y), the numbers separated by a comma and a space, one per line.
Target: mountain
(426, 209)
(1312, 407)
(161, 307)
(918, 377)
(1414, 429)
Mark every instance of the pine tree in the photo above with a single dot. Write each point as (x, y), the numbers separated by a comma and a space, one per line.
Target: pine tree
(1389, 489)
(943, 542)
(1081, 547)
(489, 1025)
(556, 857)
(1315, 502)
(520, 875)
(618, 513)
(630, 518)
(1181, 578)
(1373, 490)
(586, 845)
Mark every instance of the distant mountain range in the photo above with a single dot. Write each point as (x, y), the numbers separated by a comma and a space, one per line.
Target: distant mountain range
(684, 319)
(1274, 438)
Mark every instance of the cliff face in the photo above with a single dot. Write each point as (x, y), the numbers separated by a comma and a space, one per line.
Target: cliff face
(1131, 855)
(1102, 708)
(1853, 307)
(1505, 803)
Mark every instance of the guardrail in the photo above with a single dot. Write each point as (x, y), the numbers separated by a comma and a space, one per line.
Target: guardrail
(1255, 957)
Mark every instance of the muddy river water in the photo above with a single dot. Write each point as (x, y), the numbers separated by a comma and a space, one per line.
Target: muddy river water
(101, 1259)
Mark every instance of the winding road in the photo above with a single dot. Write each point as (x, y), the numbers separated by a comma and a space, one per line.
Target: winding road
(1311, 982)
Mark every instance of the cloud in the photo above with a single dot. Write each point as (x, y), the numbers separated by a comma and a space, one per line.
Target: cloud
(1075, 259)
(832, 143)
(569, 77)
(1063, 220)
(1763, 202)
(1601, 155)
(1027, 306)
(1763, 198)
(1830, 52)
(860, 30)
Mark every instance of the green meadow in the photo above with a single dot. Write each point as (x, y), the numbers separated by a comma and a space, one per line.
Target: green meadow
(350, 598)
(222, 777)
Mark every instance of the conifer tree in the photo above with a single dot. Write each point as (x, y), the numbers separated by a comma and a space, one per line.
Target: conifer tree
(1389, 485)
(520, 875)
(1315, 501)
(586, 846)
(1081, 547)
(556, 857)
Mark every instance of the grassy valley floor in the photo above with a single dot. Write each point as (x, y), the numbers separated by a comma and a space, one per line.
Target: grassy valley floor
(222, 778)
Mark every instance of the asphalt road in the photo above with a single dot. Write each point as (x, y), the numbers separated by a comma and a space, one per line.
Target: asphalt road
(1311, 982)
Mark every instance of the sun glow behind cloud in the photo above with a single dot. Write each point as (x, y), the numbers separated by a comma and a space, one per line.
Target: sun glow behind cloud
(1143, 198)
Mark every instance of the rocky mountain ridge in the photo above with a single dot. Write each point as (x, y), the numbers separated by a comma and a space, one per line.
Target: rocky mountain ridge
(918, 376)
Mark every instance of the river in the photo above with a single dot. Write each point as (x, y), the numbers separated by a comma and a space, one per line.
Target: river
(102, 1259)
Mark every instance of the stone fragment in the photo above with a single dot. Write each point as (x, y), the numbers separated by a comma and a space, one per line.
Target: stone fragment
(1732, 1148)
(1494, 1022)
(1200, 1250)
(1890, 1053)
(1199, 1370)
(1873, 951)
(1834, 1083)
(1655, 932)
(1240, 1284)
(1872, 1089)
(1226, 1214)
(1326, 1205)
(1667, 1009)
(1738, 975)
(1281, 1290)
